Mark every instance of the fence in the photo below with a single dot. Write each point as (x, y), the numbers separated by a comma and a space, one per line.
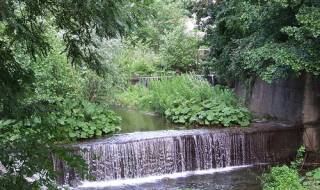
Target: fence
(146, 80)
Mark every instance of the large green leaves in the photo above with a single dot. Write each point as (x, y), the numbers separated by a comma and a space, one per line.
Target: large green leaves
(208, 113)
(188, 100)
(83, 119)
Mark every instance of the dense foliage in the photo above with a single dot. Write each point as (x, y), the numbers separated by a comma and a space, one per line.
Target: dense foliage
(27, 148)
(138, 60)
(163, 94)
(77, 96)
(54, 108)
(166, 15)
(47, 99)
(266, 39)
(188, 100)
(208, 113)
(289, 177)
(311, 180)
(83, 119)
(161, 45)
(179, 51)
(282, 177)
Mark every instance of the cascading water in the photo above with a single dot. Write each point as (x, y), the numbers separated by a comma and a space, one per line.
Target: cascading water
(142, 154)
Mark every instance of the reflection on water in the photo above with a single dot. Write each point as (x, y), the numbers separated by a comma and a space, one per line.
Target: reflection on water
(134, 120)
(239, 179)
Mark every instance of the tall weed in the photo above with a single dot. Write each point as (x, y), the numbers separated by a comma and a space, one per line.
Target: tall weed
(187, 99)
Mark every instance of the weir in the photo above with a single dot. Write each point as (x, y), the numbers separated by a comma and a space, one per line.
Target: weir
(143, 154)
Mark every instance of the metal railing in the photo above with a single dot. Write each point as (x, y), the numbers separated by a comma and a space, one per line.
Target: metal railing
(145, 80)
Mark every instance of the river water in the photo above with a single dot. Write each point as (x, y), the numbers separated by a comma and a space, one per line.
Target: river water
(149, 153)
(138, 121)
(238, 178)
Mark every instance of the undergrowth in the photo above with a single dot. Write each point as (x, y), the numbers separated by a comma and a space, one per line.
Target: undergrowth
(188, 100)
(288, 177)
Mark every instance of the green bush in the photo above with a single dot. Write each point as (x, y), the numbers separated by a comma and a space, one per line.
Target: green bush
(282, 178)
(100, 88)
(74, 98)
(188, 100)
(83, 119)
(296, 164)
(134, 96)
(287, 177)
(162, 94)
(208, 113)
(138, 60)
(270, 40)
(180, 50)
(312, 180)
(97, 89)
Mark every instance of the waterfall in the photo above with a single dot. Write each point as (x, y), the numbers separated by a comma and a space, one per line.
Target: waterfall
(143, 154)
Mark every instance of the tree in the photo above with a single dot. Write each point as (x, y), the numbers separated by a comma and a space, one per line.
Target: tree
(180, 50)
(161, 44)
(266, 39)
(29, 108)
(166, 15)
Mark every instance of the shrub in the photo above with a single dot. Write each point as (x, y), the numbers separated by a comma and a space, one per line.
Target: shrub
(162, 94)
(287, 177)
(95, 88)
(179, 50)
(138, 60)
(72, 97)
(312, 179)
(208, 112)
(282, 178)
(134, 96)
(83, 119)
(188, 100)
(100, 87)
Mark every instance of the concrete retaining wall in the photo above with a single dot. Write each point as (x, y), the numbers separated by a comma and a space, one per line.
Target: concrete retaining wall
(296, 99)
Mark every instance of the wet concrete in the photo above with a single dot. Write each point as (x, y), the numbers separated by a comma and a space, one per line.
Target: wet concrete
(143, 154)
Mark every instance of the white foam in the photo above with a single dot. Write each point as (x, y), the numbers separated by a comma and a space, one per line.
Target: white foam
(154, 179)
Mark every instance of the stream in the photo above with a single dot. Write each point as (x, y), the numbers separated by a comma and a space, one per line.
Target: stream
(238, 178)
(138, 121)
(149, 153)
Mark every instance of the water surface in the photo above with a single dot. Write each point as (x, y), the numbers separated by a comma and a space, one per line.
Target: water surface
(150, 154)
(242, 178)
(135, 121)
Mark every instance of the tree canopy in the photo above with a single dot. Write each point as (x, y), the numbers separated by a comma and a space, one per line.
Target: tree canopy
(24, 26)
(258, 38)
(42, 104)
